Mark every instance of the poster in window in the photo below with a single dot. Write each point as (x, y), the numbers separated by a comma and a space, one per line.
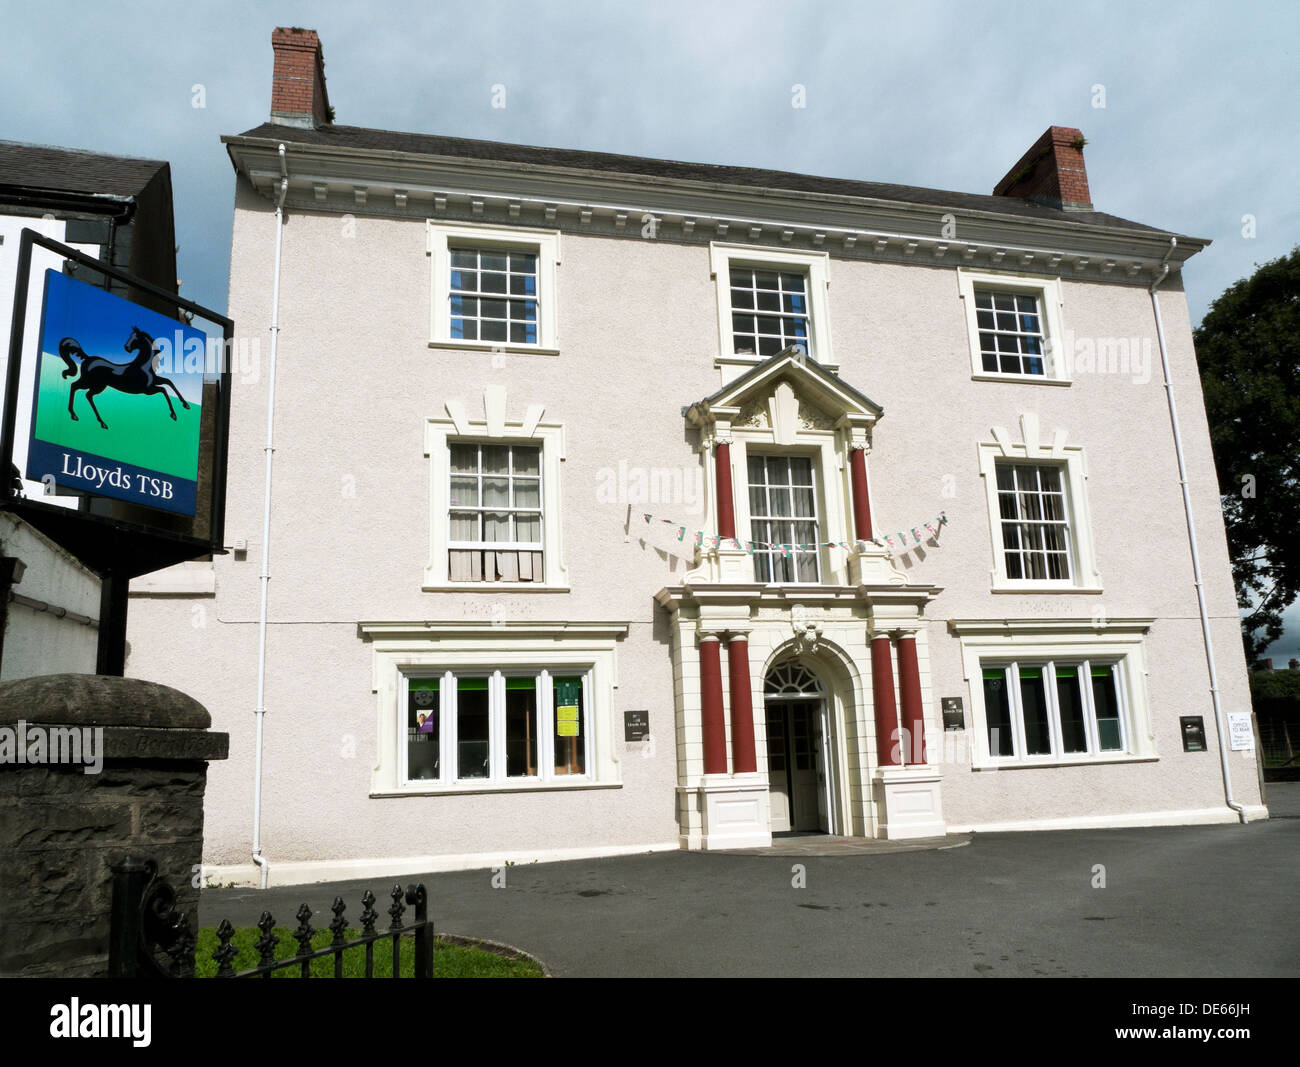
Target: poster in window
(566, 720)
(422, 734)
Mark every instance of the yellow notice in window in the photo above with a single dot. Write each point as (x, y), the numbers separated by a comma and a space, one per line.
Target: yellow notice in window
(566, 720)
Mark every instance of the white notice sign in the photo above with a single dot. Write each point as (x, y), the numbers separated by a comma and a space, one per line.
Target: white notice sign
(1241, 737)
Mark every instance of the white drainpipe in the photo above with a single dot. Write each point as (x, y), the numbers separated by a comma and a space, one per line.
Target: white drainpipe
(263, 864)
(1191, 538)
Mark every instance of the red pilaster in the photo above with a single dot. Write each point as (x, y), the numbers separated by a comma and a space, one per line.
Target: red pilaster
(882, 688)
(715, 729)
(743, 757)
(726, 508)
(909, 684)
(861, 504)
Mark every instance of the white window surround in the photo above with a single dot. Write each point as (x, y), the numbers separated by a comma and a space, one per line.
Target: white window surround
(830, 485)
(438, 434)
(816, 265)
(1050, 302)
(545, 243)
(422, 649)
(990, 642)
(1070, 458)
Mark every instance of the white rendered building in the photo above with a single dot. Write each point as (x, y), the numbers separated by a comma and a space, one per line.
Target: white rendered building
(621, 504)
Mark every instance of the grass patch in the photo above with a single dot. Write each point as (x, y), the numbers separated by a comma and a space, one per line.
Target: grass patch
(449, 961)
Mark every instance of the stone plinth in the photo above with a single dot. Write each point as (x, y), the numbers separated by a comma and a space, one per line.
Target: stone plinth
(93, 769)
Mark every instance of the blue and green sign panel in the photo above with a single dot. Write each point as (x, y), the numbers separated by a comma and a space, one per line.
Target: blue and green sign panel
(118, 397)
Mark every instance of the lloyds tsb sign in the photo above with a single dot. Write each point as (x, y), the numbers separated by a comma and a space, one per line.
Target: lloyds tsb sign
(105, 419)
(115, 426)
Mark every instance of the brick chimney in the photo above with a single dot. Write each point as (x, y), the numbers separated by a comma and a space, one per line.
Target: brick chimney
(298, 96)
(1051, 173)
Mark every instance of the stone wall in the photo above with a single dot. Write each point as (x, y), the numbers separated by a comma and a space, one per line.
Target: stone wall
(62, 829)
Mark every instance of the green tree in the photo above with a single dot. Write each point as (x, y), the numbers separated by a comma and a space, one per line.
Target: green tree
(1248, 347)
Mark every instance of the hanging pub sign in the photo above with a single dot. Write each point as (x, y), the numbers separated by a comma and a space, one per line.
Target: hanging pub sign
(116, 422)
(118, 400)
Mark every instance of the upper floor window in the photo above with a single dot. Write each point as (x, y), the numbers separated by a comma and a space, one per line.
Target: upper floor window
(493, 288)
(783, 514)
(495, 513)
(494, 501)
(769, 311)
(1038, 513)
(1013, 323)
(768, 300)
(493, 295)
(1034, 520)
(1010, 332)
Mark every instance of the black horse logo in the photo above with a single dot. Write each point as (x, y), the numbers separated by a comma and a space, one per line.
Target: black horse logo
(98, 374)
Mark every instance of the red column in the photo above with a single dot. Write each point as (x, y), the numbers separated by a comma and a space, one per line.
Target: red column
(743, 757)
(861, 505)
(882, 688)
(726, 508)
(715, 730)
(909, 684)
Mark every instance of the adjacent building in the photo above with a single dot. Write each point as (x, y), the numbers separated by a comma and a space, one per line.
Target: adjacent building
(623, 504)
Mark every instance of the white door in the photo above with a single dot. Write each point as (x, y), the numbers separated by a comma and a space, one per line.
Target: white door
(805, 744)
(778, 771)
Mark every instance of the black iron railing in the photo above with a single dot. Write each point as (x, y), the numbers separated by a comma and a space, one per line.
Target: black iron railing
(150, 938)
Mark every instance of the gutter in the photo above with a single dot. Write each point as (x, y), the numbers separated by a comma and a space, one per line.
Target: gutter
(1191, 540)
(263, 865)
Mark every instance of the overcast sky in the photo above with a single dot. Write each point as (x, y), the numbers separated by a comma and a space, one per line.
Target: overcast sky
(1199, 126)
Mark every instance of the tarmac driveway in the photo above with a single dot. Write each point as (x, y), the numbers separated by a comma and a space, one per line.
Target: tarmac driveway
(1215, 901)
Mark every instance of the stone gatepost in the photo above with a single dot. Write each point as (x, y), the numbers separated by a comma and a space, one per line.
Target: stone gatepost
(93, 769)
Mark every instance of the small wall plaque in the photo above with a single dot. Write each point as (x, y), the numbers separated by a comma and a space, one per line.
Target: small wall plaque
(953, 716)
(636, 725)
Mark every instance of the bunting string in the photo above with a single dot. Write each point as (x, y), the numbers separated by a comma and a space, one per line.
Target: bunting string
(713, 540)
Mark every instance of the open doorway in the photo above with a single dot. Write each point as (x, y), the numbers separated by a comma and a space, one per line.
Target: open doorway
(799, 751)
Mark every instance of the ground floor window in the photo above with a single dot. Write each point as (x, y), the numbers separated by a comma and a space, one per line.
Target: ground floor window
(1053, 708)
(505, 725)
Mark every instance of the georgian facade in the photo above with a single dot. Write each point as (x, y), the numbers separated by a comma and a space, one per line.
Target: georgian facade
(623, 505)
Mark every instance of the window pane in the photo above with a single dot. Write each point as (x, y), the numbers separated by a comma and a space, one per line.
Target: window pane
(422, 730)
(527, 493)
(521, 727)
(1033, 702)
(570, 735)
(464, 459)
(528, 531)
(472, 728)
(496, 459)
(492, 260)
(527, 460)
(1105, 700)
(464, 491)
(464, 526)
(496, 492)
(997, 709)
(491, 282)
(1069, 697)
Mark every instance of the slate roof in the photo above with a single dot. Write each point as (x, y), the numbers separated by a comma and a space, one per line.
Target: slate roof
(70, 170)
(360, 138)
